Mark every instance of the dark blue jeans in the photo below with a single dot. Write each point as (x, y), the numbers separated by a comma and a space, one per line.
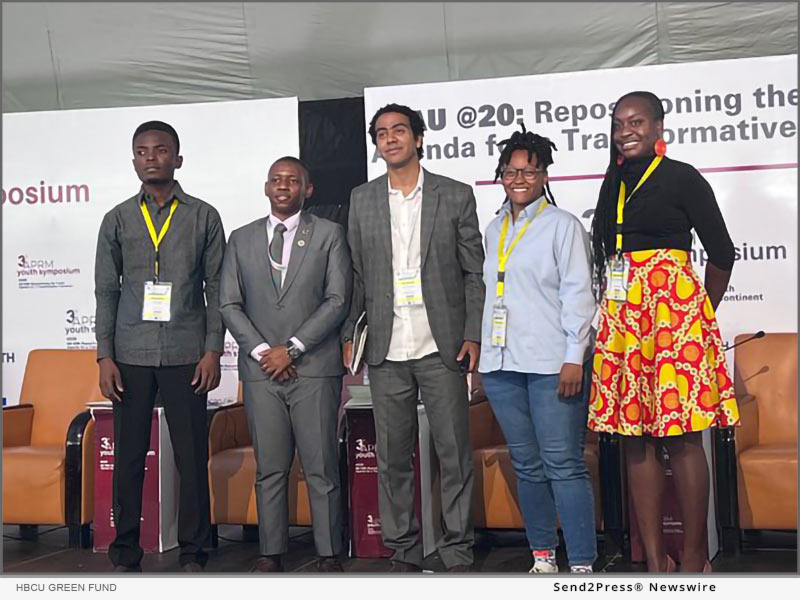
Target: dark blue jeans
(545, 436)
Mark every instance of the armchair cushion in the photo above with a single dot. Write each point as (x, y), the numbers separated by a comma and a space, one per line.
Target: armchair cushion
(768, 487)
(33, 485)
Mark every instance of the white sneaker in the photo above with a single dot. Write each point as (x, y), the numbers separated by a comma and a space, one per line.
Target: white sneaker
(544, 561)
(581, 569)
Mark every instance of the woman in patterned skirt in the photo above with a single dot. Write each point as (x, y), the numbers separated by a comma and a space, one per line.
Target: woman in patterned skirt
(659, 376)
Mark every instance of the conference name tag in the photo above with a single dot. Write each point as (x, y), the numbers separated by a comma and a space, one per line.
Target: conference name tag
(617, 279)
(499, 325)
(157, 298)
(407, 287)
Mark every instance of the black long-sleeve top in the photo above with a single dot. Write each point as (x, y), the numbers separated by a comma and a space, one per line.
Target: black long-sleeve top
(674, 200)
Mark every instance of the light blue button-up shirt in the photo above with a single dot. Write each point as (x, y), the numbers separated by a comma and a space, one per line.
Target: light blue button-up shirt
(548, 292)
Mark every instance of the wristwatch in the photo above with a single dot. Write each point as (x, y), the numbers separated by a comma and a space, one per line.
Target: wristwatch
(292, 350)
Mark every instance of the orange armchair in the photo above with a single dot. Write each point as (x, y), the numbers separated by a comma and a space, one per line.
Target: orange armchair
(48, 444)
(760, 456)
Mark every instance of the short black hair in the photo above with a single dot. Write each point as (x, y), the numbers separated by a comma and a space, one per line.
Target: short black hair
(158, 126)
(534, 145)
(295, 161)
(414, 119)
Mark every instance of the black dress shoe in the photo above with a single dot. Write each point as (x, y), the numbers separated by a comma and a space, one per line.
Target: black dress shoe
(192, 567)
(459, 569)
(329, 564)
(398, 566)
(267, 564)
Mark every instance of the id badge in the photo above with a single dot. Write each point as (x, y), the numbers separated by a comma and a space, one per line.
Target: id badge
(499, 324)
(617, 279)
(407, 287)
(157, 298)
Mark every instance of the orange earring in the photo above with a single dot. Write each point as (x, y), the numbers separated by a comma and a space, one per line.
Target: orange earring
(660, 147)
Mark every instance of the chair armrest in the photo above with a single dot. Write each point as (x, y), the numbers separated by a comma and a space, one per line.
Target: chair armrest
(228, 429)
(747, 433)
(17, 425)
(73, 466)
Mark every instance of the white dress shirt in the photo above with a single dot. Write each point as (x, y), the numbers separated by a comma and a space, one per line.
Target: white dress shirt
(411, 332)
(291, 224)
(548, 292)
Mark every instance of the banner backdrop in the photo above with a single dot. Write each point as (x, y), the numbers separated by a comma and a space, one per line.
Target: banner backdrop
(63, 170)
(734, 120)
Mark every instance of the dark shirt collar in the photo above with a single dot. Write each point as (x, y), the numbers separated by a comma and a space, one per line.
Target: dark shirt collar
(177, 192)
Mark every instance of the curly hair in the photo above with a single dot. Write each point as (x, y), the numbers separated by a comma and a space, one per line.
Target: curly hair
(535, 145)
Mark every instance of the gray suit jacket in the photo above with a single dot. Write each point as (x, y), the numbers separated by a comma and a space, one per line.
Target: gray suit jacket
(452, 265)
(311, 305)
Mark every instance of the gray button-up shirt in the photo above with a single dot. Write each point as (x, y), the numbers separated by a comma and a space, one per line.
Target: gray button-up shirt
(190, 257)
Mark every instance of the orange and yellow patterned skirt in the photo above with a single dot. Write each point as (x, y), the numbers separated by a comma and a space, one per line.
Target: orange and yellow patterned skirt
(659, 368)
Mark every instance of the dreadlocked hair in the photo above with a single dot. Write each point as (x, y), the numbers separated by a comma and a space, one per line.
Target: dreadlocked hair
(604, 222)
(534, 144)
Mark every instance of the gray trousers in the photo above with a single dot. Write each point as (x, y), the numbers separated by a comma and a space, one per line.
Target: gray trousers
(280, 416)
(395, 387)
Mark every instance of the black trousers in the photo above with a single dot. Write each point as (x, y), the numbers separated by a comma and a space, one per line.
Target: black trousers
(186, 417)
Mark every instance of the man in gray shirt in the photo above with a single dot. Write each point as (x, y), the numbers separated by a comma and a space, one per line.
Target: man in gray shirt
(158, 329)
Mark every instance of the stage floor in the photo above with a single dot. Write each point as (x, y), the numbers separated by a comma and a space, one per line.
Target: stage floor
(496, 551)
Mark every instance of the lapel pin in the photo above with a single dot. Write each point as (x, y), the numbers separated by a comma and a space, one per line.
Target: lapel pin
(301, 243)
(304, 232)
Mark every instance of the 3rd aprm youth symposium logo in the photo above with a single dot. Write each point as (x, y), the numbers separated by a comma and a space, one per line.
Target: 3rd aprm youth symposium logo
(37, 272)
(79, 330)
(34, 271)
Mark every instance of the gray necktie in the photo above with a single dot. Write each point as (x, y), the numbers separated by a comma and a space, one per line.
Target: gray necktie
(276, 251)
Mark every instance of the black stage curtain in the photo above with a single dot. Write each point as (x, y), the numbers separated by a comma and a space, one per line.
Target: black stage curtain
(332, 134)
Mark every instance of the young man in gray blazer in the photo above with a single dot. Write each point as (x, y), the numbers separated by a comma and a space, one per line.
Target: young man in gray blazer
(286, 285)
(418, 274)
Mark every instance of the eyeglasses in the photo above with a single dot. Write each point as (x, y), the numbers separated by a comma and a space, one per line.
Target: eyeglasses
(527, 174)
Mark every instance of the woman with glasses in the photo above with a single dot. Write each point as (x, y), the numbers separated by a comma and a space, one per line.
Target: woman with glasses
(659, 376)
(535, 338)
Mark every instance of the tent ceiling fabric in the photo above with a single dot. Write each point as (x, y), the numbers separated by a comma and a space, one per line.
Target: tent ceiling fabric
(89, 55)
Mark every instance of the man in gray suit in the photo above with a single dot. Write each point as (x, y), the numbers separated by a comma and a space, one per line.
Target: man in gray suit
(418, 274)
(286, 285)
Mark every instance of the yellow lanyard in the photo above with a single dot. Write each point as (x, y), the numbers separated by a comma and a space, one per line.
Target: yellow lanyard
(622, 200)
(502, 254)
(152, 230)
